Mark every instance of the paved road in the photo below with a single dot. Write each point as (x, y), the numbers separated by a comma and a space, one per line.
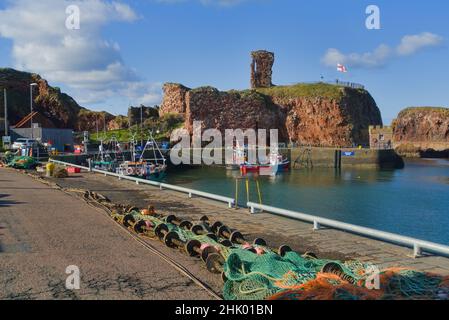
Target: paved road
(43, 230)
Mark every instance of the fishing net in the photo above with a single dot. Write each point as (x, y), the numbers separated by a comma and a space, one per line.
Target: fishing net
(22, 163)
(293, 277)
(251, 276)
(267, 275)
(395, 284)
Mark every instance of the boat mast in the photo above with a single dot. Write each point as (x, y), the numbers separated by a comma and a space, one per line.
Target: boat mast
(158, 149)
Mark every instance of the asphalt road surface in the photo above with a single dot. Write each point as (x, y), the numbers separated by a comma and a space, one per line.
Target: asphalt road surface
(43, 231)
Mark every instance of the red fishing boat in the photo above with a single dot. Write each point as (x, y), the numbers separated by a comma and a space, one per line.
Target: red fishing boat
(277, 164)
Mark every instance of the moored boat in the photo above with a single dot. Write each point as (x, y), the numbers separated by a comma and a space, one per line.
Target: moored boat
(277, 164)
(146, 168)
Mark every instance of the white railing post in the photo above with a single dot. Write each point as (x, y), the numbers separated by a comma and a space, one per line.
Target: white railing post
(316, 225)
(417, 251)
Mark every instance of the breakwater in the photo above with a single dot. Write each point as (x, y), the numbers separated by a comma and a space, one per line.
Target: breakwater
(300, 157)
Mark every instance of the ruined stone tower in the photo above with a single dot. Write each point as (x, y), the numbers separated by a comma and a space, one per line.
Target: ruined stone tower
(261, 69)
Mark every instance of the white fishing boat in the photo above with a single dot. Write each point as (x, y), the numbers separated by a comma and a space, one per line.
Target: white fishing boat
(153, 168)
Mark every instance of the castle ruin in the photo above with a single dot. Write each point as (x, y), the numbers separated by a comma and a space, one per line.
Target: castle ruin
(381, 137)
(261, 69)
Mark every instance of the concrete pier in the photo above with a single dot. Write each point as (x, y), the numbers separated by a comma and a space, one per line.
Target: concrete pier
(326, 243)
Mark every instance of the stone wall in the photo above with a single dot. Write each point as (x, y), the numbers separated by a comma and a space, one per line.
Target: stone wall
(381, 137)
(233, 110)
(345, 158)
(261, 69)
(174, 99)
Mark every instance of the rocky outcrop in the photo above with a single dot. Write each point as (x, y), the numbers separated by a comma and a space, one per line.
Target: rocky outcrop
(59, 108)
(421, 130)
(316, 114)
(326, 115)
(91, 120)
(261, 69)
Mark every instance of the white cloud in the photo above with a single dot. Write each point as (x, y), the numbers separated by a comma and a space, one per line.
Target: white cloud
(413, 43)
(82, 60)
(379, 57)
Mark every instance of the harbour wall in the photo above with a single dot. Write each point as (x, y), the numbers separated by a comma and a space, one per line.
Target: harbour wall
(319, 157)
(343, 158)
(306, 157)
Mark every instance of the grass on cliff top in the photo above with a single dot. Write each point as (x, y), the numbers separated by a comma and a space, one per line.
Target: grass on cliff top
(443, 110)
(301, 90)
(125, 135)
(166, 124)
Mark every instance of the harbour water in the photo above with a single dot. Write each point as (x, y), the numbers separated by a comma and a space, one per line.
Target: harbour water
(413, 201)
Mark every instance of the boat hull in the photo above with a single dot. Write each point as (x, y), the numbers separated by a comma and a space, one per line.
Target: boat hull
(265, 169)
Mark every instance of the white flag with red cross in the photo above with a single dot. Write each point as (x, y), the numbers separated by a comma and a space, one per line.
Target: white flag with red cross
(341, 68)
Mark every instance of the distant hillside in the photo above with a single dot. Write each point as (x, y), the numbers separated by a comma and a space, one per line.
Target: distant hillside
(61, 109)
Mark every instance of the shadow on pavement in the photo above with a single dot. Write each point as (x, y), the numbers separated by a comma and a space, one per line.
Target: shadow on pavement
(7, 203)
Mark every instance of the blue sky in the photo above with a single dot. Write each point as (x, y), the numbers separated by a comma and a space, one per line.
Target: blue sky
(125, 50)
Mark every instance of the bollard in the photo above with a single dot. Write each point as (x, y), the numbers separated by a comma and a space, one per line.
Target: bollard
(50, 168)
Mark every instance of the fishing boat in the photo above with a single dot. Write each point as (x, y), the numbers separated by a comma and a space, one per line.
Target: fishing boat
(277, 164)
(109, 155)
(146, 168)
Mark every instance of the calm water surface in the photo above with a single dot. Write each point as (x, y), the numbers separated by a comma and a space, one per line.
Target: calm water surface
(413, 201)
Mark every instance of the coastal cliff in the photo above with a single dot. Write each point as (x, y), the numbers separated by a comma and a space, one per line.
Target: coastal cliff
(315, 114)
(324, 114)
(422, 131)
(59, 108)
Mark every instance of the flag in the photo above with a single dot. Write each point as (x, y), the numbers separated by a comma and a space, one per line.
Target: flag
(341, 68)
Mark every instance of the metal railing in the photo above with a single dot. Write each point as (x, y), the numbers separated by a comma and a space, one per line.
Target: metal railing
(419, 246)
(66, 164)
(337, 82)
(161, 186)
